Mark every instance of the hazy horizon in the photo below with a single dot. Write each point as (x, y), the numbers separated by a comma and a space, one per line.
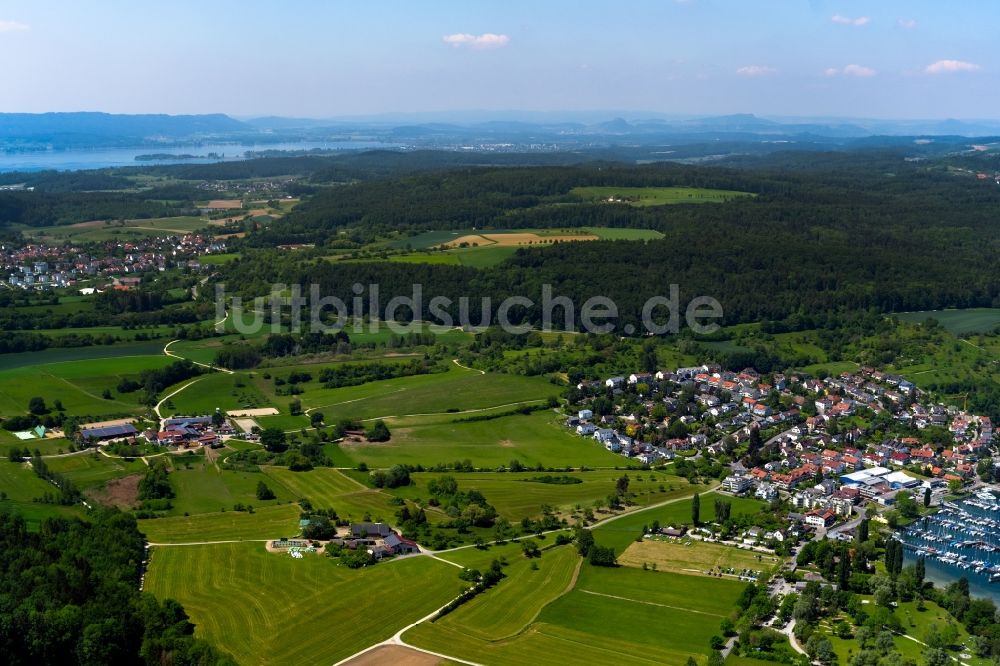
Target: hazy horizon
(307, 59)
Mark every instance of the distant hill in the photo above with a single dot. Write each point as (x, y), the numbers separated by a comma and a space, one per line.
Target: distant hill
(100, 129)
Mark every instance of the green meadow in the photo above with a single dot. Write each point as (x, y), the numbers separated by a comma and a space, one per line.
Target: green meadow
(621, 532)
(534, 439)
(658, 196)
(79, 384)
(516, 495)
(959, 322)
(21, 487)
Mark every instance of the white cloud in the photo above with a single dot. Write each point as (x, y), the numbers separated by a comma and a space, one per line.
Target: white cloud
(847, 20)
(948, 66)
(755, 70)
(13, 26)
(850, 70)
(909, 24)
(859, 70)
(487, 40)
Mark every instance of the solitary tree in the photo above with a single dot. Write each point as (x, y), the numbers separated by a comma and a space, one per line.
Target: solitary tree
(927, 497)
(695, 509)
(37, 406)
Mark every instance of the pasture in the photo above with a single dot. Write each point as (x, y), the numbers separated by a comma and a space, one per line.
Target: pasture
(268, 522)
(693, 557)
(267, 608)
(656, 196)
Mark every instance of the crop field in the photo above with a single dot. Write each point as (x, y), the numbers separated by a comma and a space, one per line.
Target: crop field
(61, 355)
(693, 557)
(534, 439)
(959, 322)
(78, 384)
(596, 622)
(267, 608)
(330, 489)
(100, 230)
(657, 196)
(270, 522)
(622, 532)
(515, 495)
(205, 488)
(515, 237)
(89, 471)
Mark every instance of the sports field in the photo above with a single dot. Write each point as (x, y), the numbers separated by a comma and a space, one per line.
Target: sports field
(267, 608)
(656, 196)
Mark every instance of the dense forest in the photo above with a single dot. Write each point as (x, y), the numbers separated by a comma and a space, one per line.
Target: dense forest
(853, 236)
(69, 595)
(42, 209)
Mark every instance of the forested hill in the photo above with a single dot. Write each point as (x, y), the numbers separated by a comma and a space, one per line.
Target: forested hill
(859, 237)
(69, 595)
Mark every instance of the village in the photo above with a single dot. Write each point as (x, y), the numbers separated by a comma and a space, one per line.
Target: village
(830, 447)
(41, 267)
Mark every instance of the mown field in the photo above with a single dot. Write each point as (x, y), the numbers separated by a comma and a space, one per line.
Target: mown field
(657, 196)
(267, 608)
(608, 617)
(90, 471)
(330, 489)
(270, 522)
(208, 488)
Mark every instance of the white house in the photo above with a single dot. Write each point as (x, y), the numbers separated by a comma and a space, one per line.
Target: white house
(585, 414)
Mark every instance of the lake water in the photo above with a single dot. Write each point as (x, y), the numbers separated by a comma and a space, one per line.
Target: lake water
(99, 158)
(962, 539)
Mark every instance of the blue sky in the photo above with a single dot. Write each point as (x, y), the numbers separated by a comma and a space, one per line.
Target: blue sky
(311, 58)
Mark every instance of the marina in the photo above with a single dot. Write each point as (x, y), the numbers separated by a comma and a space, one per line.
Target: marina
(961, 539)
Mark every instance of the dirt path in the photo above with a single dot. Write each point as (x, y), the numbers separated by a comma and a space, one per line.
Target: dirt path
(170, 395)
(465, 367)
